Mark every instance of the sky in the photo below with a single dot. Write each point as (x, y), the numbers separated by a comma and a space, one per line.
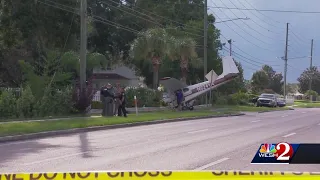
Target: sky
(261, 38)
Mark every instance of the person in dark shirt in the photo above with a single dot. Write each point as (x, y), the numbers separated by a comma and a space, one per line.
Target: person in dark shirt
(179, 95)
(122, 107)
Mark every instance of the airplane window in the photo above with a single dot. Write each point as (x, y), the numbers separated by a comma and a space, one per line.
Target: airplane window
(185, 89)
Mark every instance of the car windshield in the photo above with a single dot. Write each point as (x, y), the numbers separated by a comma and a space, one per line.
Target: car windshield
(267, 96)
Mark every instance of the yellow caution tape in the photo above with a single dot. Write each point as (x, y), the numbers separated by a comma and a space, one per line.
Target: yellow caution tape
(163, 175)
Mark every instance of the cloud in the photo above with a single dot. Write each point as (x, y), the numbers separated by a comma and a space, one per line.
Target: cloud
(262, 38)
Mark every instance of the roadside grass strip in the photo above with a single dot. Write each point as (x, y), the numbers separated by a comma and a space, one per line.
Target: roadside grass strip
(20, 128)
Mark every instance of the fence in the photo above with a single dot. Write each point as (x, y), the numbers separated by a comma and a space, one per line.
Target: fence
(289, 100)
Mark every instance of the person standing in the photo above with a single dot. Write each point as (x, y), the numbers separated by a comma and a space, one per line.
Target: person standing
(179, 99)
(117, 100)
(122, 107)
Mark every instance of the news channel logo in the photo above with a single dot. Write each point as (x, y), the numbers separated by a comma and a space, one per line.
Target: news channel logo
(274, 153)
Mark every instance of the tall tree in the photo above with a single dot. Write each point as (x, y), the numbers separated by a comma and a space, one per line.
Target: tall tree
(151, 45)
(183, 49)
(305, 77)
(259, 81)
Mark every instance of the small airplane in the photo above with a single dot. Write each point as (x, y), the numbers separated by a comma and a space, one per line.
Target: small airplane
(190, 93)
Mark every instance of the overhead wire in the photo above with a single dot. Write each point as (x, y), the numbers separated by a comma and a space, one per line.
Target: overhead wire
(240, 26)
(258, 24)
(268, 10)
(162, 17)
(158, 24)
(99, 19)
(267, 17)
(111, 23)
(240, 34)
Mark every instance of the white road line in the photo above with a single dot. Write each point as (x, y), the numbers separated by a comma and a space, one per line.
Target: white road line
(304, 112)
(211, 164)
(256, 121)
(319, 124)
(285, 115)
(203, 130)
(291, 134)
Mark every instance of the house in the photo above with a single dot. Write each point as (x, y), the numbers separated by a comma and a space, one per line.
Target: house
(117, 74)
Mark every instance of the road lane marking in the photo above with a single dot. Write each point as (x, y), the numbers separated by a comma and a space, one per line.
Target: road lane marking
(211, 164)
(203, 130)
(291, 134)
(319, 124)
(256, 121)
(304, 112)
(285, 115)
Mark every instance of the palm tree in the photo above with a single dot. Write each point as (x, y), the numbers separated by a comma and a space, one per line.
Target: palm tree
(151, 45)
(183, 49)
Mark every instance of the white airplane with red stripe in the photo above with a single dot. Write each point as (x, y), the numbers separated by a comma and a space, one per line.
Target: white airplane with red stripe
(190, 93)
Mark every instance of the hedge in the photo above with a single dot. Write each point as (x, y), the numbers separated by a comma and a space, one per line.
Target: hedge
(53, 103)
(145, 98)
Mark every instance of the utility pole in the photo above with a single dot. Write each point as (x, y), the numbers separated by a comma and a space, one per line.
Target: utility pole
(230, 44)
(286, 63)
(310, 82)
(83, 45)
(205, 44)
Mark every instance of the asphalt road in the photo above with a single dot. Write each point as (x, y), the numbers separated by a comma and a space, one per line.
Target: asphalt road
(207, 144)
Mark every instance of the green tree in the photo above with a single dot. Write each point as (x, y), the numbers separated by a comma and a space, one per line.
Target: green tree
(259, 81)
(235, 85)
(151, 45)
(184, 50)
(305, 77)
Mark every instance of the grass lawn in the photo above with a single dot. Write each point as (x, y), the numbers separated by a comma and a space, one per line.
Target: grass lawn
(9, 129)
(254, 108)
(307, 104)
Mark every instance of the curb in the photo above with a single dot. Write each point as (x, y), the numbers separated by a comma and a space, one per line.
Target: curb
(97, 128)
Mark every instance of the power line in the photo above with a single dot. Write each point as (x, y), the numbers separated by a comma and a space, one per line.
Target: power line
(162, 17)
(240, 27)
(111, 23)
(158, 24)
(269, 10)
(268, 17)
(243, 37)
(254, 21)
(299, 38)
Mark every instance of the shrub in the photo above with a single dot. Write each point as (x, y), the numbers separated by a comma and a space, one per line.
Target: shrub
(240, 98)
(145, 97)
(221, 100)
(25, 103)
(7, 105)
(55, 102)
(63, 102)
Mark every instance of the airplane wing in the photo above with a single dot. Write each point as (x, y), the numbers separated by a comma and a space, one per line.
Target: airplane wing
(172, 84)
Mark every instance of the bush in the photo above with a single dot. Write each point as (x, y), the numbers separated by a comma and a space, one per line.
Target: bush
(240, 98)
(221, 100)
(96, 105)
(55, 102)
(25, 103)
(8, 105)
(145, 97)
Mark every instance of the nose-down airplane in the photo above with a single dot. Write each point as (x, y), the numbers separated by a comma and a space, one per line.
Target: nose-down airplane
(172, 85)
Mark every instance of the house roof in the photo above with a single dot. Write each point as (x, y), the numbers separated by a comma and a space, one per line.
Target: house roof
(121, 71)
(108, 76)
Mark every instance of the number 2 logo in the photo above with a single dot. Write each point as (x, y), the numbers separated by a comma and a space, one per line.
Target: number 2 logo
(284, 151)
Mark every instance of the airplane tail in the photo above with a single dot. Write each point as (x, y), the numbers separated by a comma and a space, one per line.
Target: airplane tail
(229, 68)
